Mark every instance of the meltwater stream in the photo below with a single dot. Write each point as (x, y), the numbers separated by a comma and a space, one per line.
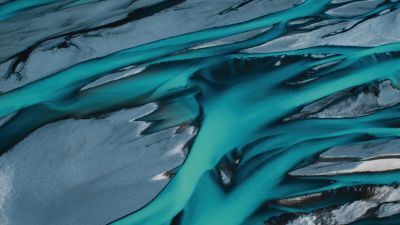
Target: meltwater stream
(200, 112)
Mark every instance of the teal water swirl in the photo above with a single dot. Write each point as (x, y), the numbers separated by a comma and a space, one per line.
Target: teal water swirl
(245, 105)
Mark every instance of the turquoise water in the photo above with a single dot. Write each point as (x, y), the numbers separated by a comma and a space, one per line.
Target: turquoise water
(239, 100)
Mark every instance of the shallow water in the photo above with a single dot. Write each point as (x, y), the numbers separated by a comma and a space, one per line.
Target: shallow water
(311, 76)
